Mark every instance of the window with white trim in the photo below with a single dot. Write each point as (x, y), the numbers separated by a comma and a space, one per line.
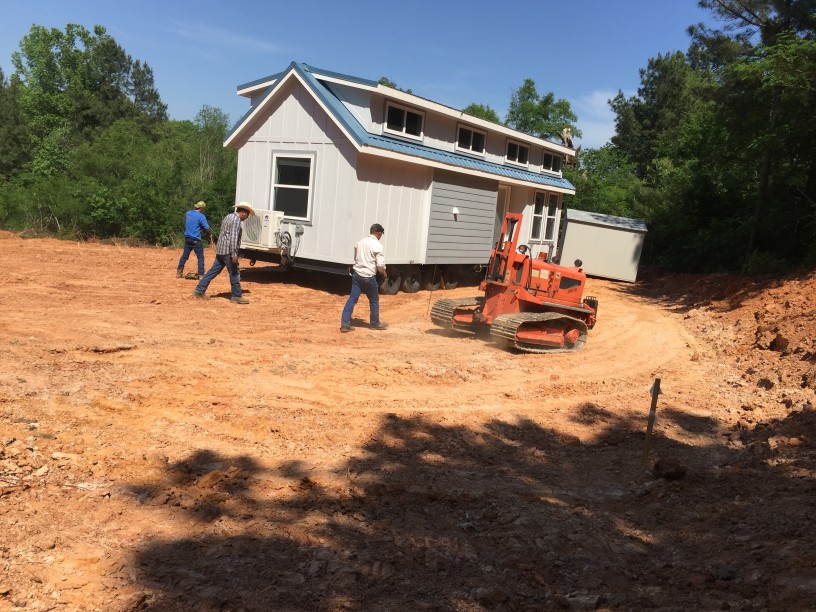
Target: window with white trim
(517, 153)
(292, 181)
(545, 211)
(471, 140)
(403, 121)
(551, 163)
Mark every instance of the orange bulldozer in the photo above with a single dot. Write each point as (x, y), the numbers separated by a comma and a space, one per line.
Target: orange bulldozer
(533, 305)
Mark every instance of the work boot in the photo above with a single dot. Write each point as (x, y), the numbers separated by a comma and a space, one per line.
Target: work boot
(239, 300)
(345, 329)
(380, 326)
(200, 296)
(180, 273)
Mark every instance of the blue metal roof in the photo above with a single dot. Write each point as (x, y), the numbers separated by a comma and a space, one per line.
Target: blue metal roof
(364, 138)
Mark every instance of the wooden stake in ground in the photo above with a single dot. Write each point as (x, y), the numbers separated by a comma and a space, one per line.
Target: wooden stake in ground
(655, 391)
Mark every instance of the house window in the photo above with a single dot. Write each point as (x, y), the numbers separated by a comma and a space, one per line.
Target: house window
(545, 211)
(292, 185)
(552, 163)
(517, 153)
(403, 121)
(470, 140)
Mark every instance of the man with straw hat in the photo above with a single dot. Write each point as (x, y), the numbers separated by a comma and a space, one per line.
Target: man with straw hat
(226, 254)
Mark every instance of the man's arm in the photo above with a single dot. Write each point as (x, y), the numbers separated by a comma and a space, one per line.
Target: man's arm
(233, 235)
(379, 261)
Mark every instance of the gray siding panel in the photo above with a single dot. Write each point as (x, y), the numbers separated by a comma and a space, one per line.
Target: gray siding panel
(469, 237)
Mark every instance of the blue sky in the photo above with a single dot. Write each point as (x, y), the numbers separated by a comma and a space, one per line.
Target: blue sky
(449, 51)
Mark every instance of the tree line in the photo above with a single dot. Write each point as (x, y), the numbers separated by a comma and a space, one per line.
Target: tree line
(87, 149)
(715, 151)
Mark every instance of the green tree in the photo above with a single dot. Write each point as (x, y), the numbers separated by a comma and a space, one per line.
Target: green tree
(483, 111)
(769, 34)
(605, 182)
(73, 85)
(14, 139)
(541, 116)
(647, 125)
(383, 80)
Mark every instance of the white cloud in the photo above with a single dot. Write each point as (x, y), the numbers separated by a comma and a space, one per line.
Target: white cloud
(223, 38)
(595, 118)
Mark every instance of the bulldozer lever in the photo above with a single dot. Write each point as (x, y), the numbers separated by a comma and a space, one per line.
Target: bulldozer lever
(533, 305)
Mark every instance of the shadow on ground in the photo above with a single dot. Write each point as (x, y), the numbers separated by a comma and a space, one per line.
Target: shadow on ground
(685, 292)
(336, 284)
(512, 516)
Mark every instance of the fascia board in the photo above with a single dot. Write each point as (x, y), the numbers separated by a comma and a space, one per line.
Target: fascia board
(248, 91)
(458, 169)
(339, 81)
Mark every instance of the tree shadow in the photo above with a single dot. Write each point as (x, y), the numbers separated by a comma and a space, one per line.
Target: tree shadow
(510, 515)
(722, 292)
(268, 274)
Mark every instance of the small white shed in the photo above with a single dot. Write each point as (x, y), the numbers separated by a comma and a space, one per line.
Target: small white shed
(608, 246)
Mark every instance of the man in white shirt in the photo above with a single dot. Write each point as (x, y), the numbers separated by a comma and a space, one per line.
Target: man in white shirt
(368, 261)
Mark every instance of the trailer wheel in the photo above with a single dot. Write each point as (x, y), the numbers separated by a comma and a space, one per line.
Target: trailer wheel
(431, 278)
(451, 277)
(391, 283)
(411, 279)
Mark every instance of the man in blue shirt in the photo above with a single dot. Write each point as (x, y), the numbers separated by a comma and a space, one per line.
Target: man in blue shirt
(226, 254)
(195, 223)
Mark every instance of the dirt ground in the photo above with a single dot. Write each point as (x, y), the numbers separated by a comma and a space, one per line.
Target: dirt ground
(159, 452)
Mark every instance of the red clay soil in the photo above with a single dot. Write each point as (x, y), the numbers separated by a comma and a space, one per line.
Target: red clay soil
(159, 452)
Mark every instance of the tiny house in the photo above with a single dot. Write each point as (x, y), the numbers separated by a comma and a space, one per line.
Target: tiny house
(322, 156)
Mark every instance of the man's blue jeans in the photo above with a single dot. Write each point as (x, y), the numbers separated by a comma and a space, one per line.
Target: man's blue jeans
(360, 285)
(221, 262)
(197, 246)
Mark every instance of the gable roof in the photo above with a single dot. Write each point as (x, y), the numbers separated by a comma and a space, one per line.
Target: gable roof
(383, 145)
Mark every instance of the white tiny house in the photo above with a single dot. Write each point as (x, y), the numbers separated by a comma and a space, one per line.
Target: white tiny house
(322, 156)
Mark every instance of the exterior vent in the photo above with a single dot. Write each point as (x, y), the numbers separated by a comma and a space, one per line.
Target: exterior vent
(259, 230)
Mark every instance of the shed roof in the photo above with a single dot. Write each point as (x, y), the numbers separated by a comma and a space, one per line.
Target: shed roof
(593, 218)
(366, 142)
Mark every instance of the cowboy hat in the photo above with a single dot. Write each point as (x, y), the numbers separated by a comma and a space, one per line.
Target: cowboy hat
(245, 206)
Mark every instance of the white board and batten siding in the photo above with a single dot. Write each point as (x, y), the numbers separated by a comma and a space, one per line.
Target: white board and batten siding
(469, 237)
(349, 191)
(395, 195)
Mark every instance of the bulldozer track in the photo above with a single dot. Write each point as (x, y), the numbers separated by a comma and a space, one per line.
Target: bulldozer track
(442, 313)
(504, 330)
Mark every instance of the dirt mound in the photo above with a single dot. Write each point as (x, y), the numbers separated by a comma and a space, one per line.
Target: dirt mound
(161, 452)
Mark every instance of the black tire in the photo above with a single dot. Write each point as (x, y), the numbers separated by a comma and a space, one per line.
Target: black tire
(451, 277)
(391, 284)
(431, 278)
(411, 279)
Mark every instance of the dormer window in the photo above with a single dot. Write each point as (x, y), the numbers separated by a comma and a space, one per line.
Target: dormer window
(552, 163)
(403, 121)
(517, 153)
(471, 140)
